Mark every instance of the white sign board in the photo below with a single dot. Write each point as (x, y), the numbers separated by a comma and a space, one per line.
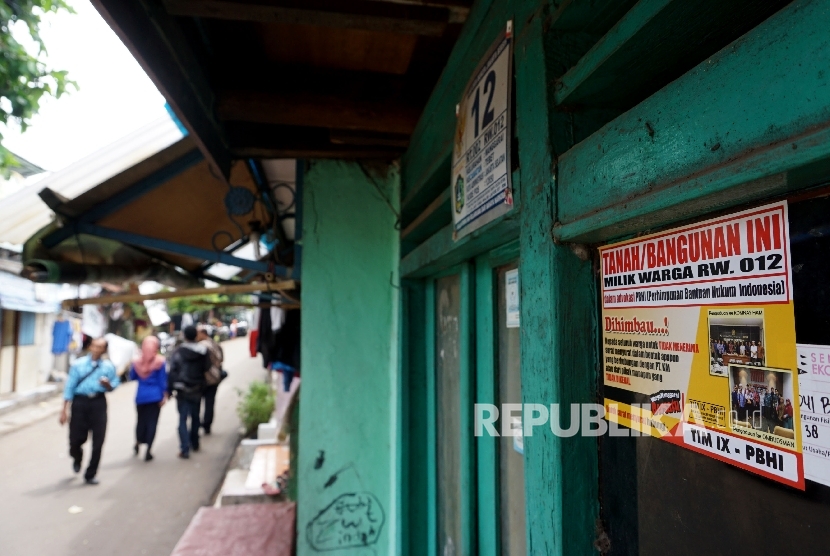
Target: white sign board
(814, 394)
(511, 297)
(481, 184)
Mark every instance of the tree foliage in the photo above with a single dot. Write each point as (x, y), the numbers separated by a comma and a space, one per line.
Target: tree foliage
(181, 305)
(24, 77)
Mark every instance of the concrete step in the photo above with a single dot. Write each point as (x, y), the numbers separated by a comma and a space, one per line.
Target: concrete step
(257, 463)
(268, 463)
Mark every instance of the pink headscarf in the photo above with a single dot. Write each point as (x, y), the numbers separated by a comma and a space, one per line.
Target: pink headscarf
(150, 359)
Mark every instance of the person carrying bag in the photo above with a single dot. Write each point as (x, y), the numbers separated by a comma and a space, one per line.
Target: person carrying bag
(188, 366)
(89, 378)
(213, 376)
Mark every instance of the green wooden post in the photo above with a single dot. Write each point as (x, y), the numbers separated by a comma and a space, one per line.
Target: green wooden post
(466, 392)
(487, 447)
(558, 326)
(432, 433)
(350, 354)
(414, 420)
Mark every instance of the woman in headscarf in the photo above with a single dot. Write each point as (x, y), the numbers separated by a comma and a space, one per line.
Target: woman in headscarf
(780, 411)
(788, 415)
(149, 369)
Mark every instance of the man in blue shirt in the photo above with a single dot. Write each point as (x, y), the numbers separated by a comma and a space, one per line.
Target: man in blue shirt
(89, 378)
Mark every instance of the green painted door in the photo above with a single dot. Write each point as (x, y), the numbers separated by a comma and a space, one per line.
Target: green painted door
(476, 494)
(449, 408)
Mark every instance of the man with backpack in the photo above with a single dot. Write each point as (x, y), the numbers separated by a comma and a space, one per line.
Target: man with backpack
(188, 366)
(213, 377)
(89, 378)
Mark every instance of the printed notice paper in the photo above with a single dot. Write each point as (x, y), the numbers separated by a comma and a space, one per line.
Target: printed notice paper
(699, 340)
(814, 389)
(481, 185)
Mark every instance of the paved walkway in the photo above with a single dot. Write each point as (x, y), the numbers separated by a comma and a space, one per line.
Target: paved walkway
(139, 507)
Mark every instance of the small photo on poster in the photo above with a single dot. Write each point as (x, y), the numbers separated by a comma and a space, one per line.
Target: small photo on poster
(761, 404)
(736, 337)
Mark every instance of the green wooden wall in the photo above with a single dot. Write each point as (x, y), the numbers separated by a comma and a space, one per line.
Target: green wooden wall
(350, 360)
(629, 116)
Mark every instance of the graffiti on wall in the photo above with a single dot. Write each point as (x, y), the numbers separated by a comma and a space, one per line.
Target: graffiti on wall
(352, 520)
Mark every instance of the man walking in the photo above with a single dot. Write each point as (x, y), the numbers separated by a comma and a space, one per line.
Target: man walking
(188, 366)
(89, 378)
(212, 377)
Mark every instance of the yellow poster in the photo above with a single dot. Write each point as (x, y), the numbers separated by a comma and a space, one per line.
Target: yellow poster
(699, 340)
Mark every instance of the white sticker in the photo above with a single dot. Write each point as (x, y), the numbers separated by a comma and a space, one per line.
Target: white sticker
(511, 297)
(519, 439)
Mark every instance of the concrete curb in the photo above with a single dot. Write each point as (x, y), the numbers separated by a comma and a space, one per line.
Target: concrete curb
(39, 394)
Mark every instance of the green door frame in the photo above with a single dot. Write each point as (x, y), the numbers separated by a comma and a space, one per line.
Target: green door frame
(466, 363)
(478, 384)
(487, 447)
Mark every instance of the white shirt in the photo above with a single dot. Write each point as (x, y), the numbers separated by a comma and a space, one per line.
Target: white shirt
(753, 350)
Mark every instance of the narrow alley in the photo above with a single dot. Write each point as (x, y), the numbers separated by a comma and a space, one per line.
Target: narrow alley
(139, 507)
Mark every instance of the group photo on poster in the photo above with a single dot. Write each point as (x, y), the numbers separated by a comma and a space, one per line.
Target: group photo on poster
(736, 340)
(761, 402)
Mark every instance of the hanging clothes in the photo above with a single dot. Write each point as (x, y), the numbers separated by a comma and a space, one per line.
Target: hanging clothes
(265, 339)
(287, 340)
(279, 343)
(61, 336)
(277, 318)
(253, 334)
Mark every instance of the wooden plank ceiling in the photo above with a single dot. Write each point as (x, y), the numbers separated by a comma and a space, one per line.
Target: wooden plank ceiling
(292, 78)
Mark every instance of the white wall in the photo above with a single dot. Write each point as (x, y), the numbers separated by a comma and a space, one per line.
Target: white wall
(6, 369)
(43, 340)
(34, 363)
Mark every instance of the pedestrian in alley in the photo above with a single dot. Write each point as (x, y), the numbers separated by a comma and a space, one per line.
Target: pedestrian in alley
(149, 369)
(188, 366)
(89, 378)
(213, 377)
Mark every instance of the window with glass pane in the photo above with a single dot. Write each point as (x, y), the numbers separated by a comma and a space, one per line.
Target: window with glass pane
(26, 335)
(511, 460)
(448, 407)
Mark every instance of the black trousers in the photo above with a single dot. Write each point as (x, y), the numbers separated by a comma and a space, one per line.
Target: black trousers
(148, 419)
(88, 415)
(209, 396)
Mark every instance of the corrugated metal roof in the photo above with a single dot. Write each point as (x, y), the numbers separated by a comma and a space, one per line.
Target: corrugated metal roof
(18, 294)
(23, 213)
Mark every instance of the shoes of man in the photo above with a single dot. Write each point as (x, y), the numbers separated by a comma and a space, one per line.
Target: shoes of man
(135, 449)
(148, 457)
(76, 466)
(91, 481)
(194, 448)
(184, 456)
